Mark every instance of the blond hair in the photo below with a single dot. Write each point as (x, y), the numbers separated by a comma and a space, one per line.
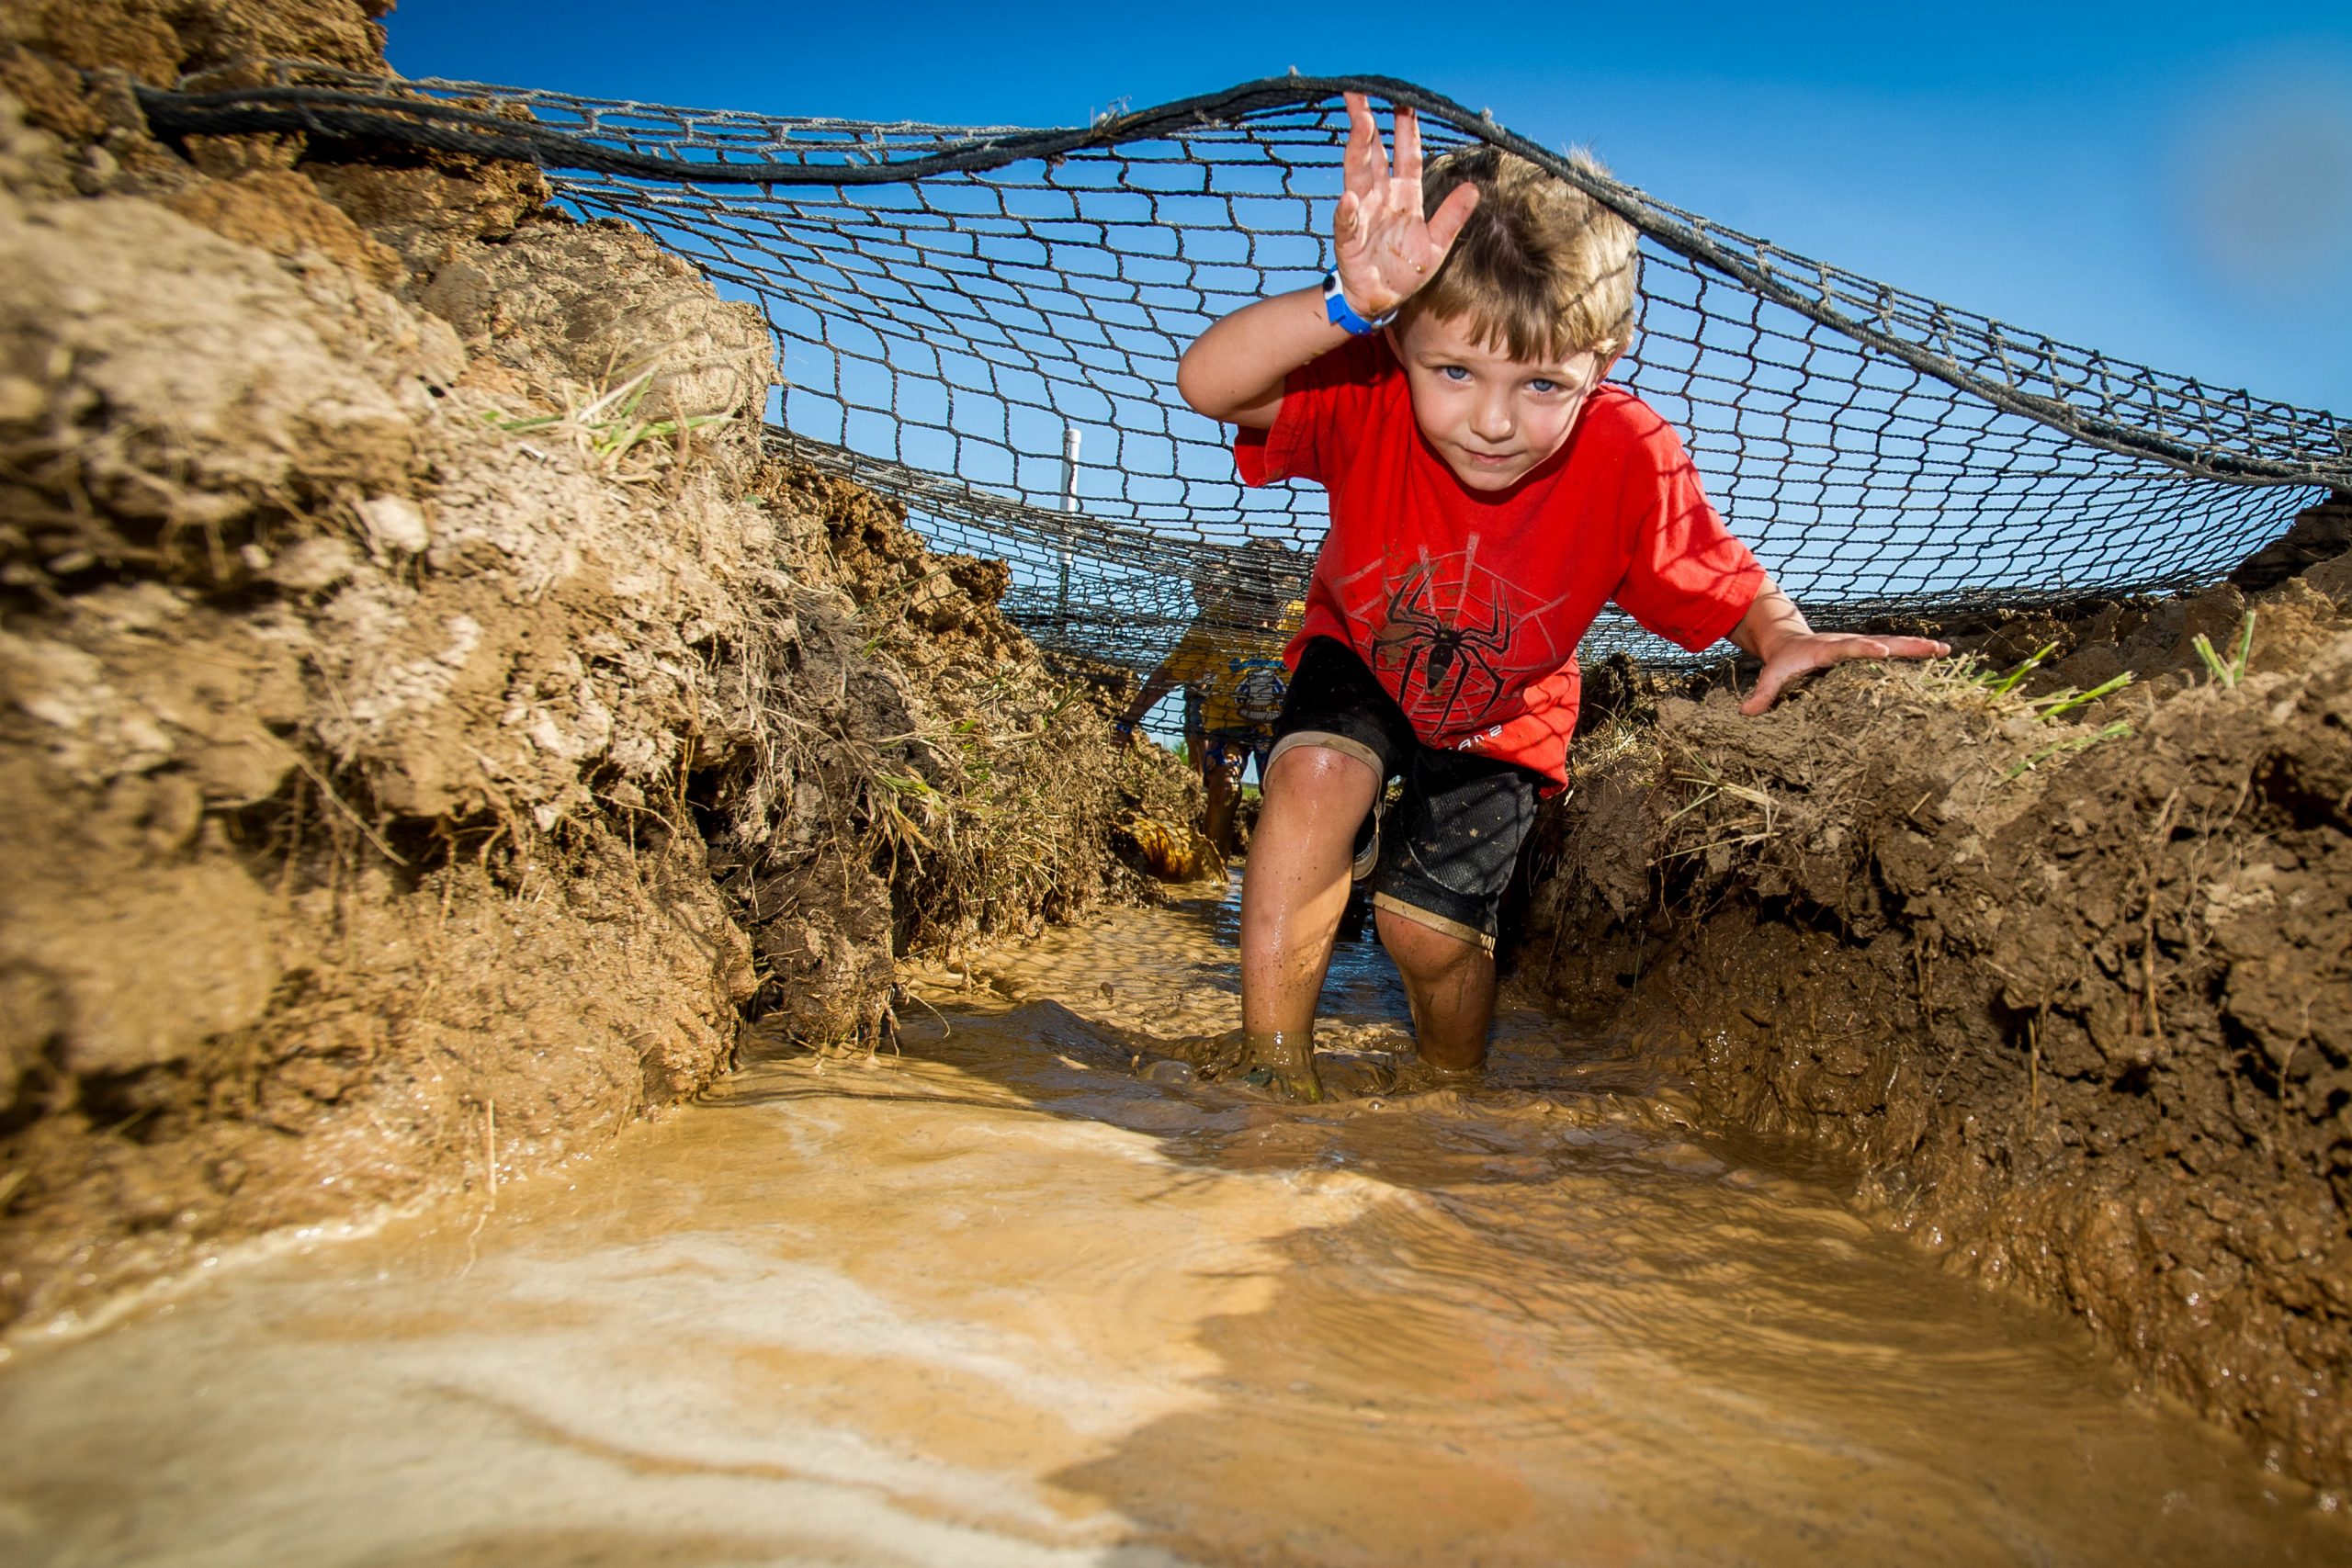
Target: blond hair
(1540, 269)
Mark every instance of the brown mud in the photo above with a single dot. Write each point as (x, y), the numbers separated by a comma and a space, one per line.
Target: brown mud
(2070, 995)
(430, 725)
(1019, 1294)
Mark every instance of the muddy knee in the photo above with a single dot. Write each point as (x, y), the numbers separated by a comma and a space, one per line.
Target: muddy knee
(1427, 955)
(1321, 777)
(1450, 981)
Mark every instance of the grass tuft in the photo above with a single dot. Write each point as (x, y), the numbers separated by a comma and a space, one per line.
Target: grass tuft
(2001, 684)
(2230, 671)
(606, 427)
(2059, 704)
(2033, 760)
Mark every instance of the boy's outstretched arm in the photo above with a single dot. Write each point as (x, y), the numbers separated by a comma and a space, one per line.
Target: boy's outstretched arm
(1385, 251)
(1774, 630)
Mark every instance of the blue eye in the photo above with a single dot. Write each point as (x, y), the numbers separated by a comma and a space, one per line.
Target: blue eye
(1453, 372)
(1540, 385)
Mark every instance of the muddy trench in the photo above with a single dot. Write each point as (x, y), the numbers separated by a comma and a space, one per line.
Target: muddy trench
(1030, 1292)
(587, 966)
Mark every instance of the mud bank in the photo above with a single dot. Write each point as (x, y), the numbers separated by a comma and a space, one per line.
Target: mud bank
(2070, 990)
(430, 724)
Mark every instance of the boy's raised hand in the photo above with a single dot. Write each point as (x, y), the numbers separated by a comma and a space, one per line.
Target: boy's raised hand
(1386, 249)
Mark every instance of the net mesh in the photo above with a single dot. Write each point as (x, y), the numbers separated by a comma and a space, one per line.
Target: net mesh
(984, 322)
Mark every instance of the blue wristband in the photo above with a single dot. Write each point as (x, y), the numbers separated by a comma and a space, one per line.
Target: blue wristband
(1342, 314)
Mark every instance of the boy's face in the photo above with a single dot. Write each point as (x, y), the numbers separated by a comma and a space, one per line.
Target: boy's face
(1491, 417)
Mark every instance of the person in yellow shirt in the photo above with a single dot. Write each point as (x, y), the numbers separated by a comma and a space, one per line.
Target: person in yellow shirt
(1229, 662)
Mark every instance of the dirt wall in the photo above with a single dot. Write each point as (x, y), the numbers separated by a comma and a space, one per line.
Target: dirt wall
(429, 722)
(2070, 990)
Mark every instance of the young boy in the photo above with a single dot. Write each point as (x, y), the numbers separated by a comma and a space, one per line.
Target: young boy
(1488, 494)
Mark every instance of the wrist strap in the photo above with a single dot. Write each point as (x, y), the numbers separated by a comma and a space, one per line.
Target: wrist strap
(1342, 314)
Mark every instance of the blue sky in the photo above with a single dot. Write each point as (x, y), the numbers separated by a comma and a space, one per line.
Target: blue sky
(2169, 184)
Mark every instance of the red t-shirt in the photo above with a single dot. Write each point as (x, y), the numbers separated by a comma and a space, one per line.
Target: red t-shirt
(1466, 605)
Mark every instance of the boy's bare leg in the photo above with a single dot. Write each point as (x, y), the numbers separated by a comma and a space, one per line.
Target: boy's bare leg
(1291, 897)
(1451, 985)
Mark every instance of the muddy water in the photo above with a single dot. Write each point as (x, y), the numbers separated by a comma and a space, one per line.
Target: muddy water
(1023, 1295)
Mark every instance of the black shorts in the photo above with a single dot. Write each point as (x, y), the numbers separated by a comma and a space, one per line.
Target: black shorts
(1447, 852)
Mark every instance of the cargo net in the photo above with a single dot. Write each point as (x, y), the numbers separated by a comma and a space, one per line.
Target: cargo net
(985, 323)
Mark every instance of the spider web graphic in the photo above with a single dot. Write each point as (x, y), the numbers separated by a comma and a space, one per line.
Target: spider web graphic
(1453, 633)
(960, 310)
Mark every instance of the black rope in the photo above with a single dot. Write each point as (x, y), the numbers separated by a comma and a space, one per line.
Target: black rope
(355, 116)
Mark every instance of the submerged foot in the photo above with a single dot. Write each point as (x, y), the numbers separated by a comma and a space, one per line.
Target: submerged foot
(1284, 1064)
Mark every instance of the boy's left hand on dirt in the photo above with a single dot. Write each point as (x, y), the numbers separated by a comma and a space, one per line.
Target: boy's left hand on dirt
(1818, 650)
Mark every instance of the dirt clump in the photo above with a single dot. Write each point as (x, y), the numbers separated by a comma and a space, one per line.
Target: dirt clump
(2070, 987)
(544, 302)
(67, 61)
(279, 211)
(430, 722)
(984, 790)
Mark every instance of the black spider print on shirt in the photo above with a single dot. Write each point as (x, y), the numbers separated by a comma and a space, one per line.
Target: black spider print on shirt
(1455, 663)
(1454, 642)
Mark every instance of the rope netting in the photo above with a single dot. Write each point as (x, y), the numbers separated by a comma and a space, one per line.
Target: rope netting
(985, 324)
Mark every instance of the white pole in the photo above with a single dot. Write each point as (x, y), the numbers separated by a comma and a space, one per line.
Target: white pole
(1069, 508)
